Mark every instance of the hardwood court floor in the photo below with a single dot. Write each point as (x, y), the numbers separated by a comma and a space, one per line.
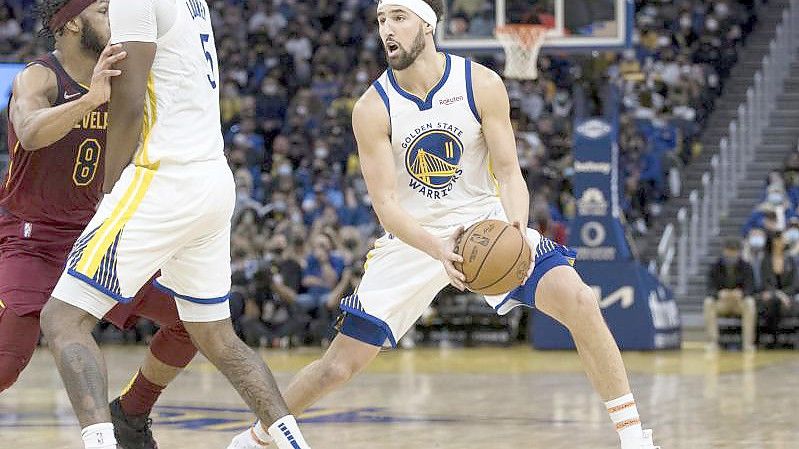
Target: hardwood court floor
(454, 399)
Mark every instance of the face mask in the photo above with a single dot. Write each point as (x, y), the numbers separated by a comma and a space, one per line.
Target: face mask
(757, 241)
(629, 53)
(284, 170)
(280, 206)
(792, 235)
(712, 25)
(321, 153)
(775, 198)
(721, 9)
(685, 22)
(361, 77)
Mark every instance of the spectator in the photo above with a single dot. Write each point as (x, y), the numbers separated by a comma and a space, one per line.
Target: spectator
(774, 280)
(323, 270)
(271, 314)
(773, 213)
(730, 294)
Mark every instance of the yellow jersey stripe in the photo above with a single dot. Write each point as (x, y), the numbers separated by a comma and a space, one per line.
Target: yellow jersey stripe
(93, 246)
(493, 176)
(150, 116)
(2, 304)
(11, 164)
(124, 210)
(369, 256)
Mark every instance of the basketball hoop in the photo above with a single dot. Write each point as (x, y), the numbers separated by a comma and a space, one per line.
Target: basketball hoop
(522, 43)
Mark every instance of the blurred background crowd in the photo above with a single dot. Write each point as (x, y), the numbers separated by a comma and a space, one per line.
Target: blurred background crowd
(291, 72)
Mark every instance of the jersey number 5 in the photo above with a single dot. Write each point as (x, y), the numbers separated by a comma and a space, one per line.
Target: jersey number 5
(204, 38)
(86, 162)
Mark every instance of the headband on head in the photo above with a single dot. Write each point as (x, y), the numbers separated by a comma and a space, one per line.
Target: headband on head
(69, 11)
(418, 7)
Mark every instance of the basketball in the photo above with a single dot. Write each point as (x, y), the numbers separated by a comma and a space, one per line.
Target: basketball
(496, 257)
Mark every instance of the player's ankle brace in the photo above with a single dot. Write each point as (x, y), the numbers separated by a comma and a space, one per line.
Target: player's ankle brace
(99, 436)
(286, 434)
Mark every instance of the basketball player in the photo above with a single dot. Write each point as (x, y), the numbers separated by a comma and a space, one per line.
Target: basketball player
(57, 124)
(430, 131)
(168, 205)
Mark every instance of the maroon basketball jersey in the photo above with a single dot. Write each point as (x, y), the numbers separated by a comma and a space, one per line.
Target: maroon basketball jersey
(58, 185)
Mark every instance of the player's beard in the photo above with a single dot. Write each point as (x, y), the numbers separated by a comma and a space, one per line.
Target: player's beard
(91, 41)
(406, 58)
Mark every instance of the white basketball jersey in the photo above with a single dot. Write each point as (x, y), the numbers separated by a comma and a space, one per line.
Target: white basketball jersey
(182, 120)
(442, 163)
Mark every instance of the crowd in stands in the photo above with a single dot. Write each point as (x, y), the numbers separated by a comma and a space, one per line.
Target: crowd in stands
(292, 70)
(763, 277)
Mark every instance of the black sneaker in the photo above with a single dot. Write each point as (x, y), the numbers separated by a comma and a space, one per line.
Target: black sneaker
(131, 432)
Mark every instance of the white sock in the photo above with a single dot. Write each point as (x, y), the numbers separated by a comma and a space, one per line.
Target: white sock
(260, 435)
(99, 436)
(624, 415)
(286, 434)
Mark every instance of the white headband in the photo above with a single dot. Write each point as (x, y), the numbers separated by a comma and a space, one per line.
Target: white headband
(418, 7)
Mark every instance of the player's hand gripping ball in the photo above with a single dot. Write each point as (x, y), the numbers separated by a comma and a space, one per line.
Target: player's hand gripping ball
(496, 257)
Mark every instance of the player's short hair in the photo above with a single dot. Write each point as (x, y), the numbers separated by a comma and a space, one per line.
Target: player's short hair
(45, 11)
(438, 7)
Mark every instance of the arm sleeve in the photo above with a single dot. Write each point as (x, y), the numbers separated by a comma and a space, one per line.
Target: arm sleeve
(132, 21)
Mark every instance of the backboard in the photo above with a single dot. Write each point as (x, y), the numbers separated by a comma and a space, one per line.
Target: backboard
(577, 25)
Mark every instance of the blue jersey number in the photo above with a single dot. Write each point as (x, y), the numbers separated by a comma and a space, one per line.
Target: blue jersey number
(204, 38)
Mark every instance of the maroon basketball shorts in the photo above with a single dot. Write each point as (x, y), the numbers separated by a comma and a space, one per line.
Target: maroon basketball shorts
(32, 258)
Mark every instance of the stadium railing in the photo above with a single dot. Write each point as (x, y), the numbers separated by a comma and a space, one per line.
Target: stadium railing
(699, 222)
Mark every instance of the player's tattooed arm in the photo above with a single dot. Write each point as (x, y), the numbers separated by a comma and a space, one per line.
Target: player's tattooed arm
(129, 94)
(37, 123)
(494, 107)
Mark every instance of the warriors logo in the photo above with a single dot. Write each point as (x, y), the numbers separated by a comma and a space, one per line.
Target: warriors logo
(433, 160)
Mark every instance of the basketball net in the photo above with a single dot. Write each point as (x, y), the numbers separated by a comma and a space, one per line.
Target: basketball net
(522, 43)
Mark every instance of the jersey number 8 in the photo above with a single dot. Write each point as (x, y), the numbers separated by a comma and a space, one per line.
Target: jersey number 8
(86, 162)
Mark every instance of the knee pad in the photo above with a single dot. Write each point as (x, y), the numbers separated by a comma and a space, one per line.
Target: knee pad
(11, 365)
(172, 346)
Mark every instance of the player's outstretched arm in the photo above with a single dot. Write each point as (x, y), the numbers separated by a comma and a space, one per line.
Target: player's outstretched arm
(494, 107)
(37, 123)
(370, 122)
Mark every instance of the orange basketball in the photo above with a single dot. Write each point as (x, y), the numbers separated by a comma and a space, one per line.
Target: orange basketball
(496, 257)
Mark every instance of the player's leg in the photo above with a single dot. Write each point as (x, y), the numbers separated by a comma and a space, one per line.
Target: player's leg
(121, 248)
(563, 295)
(170, 351)
(398, 285)
(344, 359)
(18, 338)
(67, 329)
(198, 277)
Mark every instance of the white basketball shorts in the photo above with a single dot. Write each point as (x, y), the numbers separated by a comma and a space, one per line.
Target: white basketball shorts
(175, 219)
(400, 282)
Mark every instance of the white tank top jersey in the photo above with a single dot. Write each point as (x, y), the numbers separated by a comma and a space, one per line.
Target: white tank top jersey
(443, 171)
(181, 120)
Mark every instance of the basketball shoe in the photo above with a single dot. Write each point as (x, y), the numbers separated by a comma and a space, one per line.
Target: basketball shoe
(248, 440)
(132, 432)
(648, 443)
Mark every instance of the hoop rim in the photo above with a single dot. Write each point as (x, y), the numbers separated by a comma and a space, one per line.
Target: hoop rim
(523, 34)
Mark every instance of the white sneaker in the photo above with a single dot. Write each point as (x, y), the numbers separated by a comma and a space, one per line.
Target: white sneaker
(247, 440)
(648, 443)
